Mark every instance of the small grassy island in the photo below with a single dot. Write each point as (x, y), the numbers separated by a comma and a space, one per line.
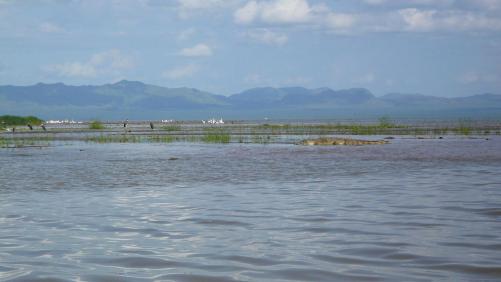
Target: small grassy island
(10, 121)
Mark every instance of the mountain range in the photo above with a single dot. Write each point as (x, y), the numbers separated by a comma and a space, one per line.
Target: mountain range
(137, 100)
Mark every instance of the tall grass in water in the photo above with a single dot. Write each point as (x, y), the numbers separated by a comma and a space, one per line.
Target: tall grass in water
(96, 125)
(216, 136)
(171, 128)
(464, 128)
(24, 142)
(103, 139)
(160, 139)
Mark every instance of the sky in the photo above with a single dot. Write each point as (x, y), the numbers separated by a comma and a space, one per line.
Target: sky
(434, 47)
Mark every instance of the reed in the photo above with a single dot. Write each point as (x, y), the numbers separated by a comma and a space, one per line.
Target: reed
(161, 139)
(102, 139)
(23, 142)
(464, 128)
(216, 135)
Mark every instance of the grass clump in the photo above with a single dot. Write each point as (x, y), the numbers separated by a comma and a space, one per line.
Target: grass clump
(216, 136)
(103, 139)
(24, 142)
(161, 139)
(171, 128)
(464, 128)
(96, 125)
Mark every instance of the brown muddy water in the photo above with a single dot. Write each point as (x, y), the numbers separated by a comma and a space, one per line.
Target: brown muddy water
(412, 210)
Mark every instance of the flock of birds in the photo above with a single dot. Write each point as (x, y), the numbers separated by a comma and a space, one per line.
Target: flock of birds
(13, 129)
(213, 121)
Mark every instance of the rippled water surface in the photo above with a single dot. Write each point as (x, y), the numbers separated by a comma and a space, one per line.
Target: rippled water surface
(413, 210)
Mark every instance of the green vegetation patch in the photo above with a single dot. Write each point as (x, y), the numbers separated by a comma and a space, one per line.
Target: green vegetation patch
(171, 127)
(96, 125)
(8, 120)
(216, 135)
(24, 142)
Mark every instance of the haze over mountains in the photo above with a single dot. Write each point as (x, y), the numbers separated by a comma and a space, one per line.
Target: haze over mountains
(136, 100)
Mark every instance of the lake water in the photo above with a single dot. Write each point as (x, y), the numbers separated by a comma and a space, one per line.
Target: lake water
(413, 210)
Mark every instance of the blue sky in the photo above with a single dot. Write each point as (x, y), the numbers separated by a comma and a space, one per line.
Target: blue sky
(434, 47)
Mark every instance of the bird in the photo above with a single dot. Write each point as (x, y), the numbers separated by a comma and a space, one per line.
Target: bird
(126, 122)
(13, 129)
(31, 127)
(43, 127)
(151, 125)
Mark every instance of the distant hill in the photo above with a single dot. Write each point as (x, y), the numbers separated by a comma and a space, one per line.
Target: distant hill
(136, 100)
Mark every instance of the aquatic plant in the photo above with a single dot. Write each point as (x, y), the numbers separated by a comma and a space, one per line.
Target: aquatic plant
(102, 139)
(464, 128)
(171, 127)
(24, 142)
(161, 139)
(216, 135)
(96, 125)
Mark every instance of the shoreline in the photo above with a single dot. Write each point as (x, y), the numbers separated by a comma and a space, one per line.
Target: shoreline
(237, 132)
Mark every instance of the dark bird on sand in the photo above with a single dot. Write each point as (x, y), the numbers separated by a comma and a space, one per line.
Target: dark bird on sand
(43, 127)
(151, 125)
(126, 122)
(31, 127)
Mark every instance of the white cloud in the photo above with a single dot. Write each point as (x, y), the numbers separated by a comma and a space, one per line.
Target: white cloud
(267, 36)
(181, 72)
(285, 12)
(199, 50)
(433, 20)
(187, 8)
(48, 27)
(247, 13)
(395, 15)
(200, 4)
(412, 3)
(417, 19)
(340, 21)
(111, 62)
(375, 2)
(277, 11)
